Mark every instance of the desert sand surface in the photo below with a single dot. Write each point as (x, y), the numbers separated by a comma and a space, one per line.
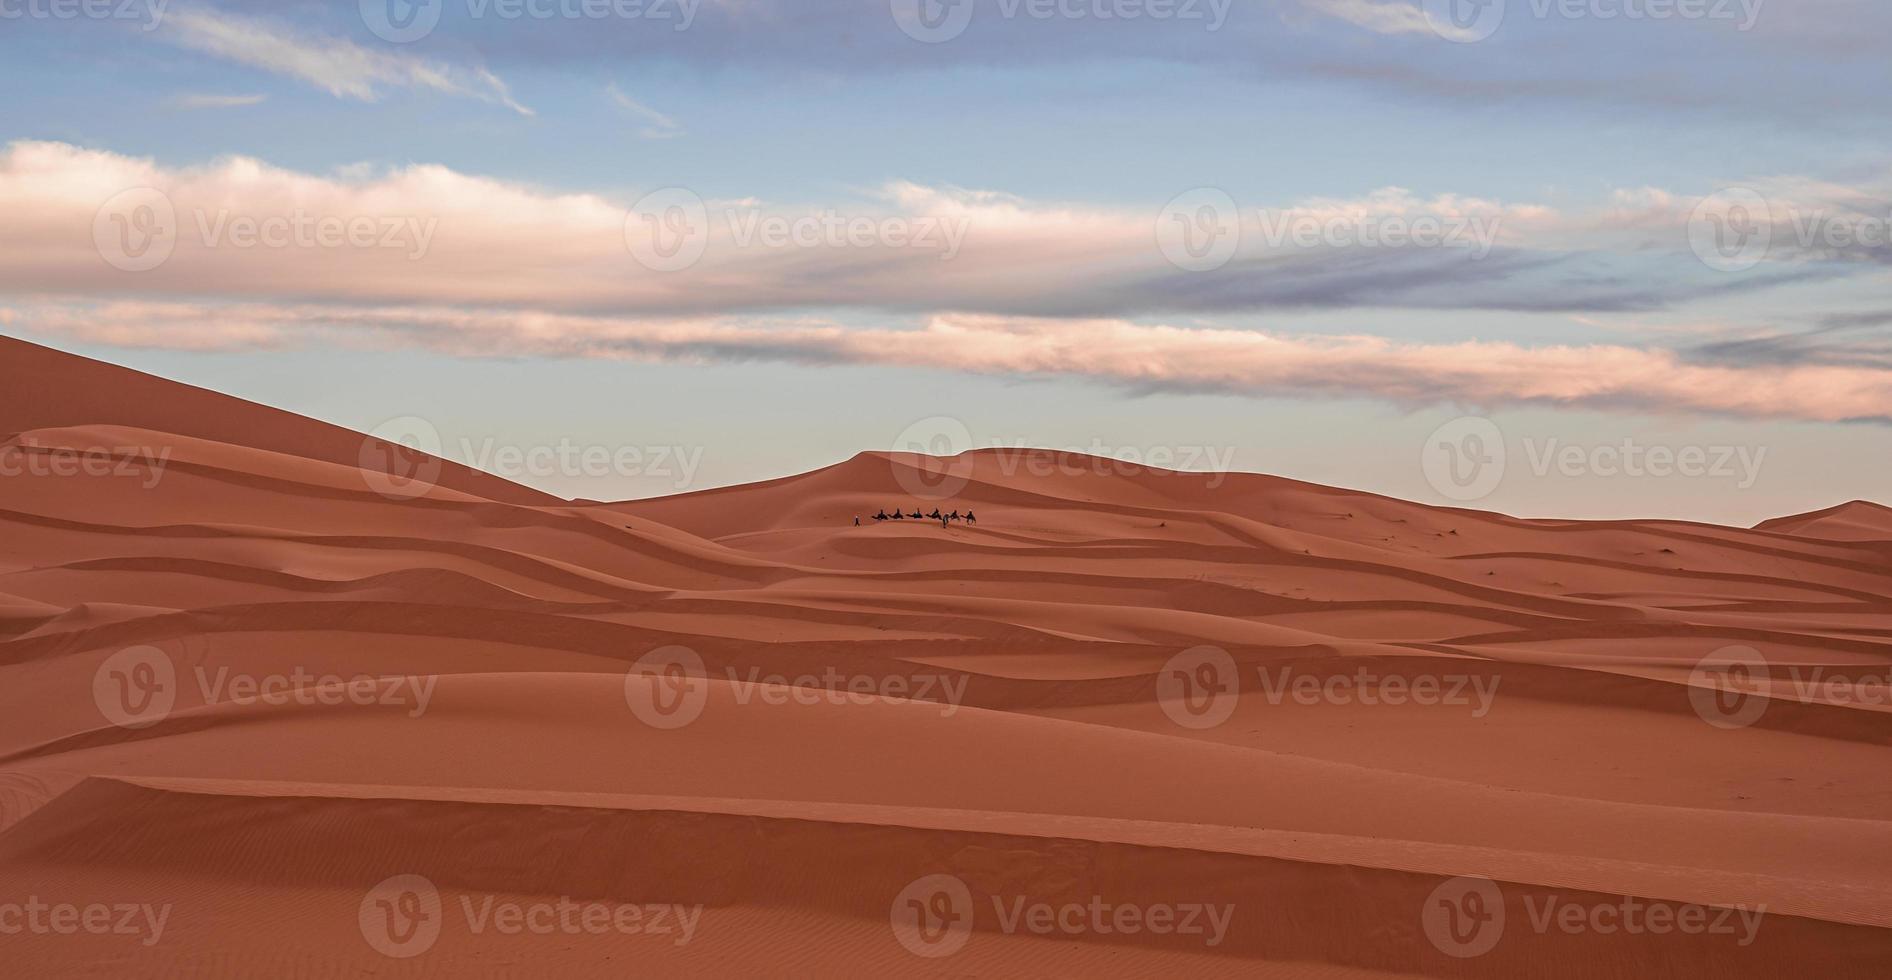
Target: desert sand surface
(283, 701)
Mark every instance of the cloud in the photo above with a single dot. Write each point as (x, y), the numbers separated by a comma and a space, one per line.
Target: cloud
(657, 126)
(334, 65)
(459, 239)
(199, 101)
(1166, 357)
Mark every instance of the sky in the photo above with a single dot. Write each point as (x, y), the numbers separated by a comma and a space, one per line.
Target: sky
(1570, 258)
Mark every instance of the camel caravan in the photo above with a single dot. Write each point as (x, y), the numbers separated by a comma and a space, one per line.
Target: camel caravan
(943, 519)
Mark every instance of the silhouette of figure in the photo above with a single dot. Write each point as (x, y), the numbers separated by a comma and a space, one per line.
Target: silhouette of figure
(899, 516)
(935, 514)
(971, 519)
(857, 520)
(880, 515)
(942, 518)
(917, 515)
(953, 516)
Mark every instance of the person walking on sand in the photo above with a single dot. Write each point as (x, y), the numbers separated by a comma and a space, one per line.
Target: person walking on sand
(857, 520)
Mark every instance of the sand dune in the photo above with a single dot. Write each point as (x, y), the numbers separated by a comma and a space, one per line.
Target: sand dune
(285, 701)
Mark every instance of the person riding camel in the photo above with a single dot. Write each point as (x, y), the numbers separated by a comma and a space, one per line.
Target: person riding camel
(880, 515)
(899, 516)
(971, 519)
(953, 516)
(934, 515)
(916, 515)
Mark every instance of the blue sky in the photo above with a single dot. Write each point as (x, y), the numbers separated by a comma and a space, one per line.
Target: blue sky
(1596, 141)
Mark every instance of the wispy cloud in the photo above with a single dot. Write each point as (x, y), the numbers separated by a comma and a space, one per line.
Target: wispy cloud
(335, 65)
(201, 101)
(1476, 373)
(903, 248)
(657, 126)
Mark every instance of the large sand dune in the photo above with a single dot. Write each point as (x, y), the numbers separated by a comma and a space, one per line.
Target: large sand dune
(1130, 722)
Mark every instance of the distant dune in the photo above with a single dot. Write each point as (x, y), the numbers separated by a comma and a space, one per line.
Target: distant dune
(1210, 724)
